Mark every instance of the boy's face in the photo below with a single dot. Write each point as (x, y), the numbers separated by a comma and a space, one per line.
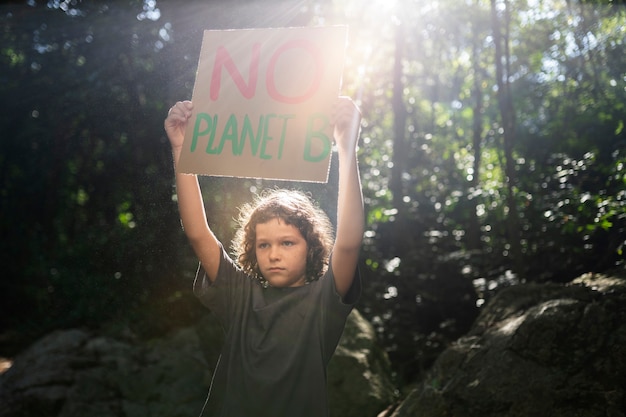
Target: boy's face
(281, 253)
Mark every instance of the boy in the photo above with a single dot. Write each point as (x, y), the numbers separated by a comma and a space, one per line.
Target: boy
(284, 305)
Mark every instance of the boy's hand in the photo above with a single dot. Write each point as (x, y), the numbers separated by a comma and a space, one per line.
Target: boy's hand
(176, 122)
(347, 122)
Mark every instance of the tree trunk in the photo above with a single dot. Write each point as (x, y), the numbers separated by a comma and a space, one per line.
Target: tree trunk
(399, 125)
(507, 115)
(473, 228)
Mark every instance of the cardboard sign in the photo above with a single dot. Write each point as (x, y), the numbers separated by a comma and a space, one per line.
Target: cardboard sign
(262, 103)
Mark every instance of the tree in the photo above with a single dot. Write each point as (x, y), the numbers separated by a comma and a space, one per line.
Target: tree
(501, 23)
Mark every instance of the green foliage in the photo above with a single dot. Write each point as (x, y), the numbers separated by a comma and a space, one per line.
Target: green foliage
(567, 85)
(86, 176)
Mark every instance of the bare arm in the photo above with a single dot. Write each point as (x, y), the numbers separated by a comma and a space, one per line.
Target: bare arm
(350, 216)
(190, 204)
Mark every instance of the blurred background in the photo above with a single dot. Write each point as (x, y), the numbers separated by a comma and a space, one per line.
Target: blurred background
(493, 153)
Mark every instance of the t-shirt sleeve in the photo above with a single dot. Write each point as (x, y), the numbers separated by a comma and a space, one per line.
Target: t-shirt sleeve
(202, 284)
(335, 310)
(354, 292)
(220, 295)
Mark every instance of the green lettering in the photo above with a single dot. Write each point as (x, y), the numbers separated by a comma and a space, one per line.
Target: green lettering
(319, 134)
(210, 129)
(231, 133)
(266, 138)
(283, 132)
(247, 130)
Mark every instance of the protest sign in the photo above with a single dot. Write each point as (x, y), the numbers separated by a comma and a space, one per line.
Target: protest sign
(262, 103)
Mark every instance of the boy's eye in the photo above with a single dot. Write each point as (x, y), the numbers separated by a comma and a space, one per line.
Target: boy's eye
(262, 245)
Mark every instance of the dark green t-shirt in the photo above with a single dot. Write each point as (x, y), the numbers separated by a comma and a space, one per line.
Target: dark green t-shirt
(278, 342)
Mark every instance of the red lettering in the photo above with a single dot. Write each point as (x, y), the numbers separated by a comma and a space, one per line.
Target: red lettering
(271, 68)
(223, 59)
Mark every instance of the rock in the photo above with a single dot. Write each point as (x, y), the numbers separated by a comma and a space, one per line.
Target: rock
(535, 350)
(77, 373)
(359, 374)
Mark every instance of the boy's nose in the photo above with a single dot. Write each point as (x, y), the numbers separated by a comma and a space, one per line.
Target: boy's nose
(274, 253)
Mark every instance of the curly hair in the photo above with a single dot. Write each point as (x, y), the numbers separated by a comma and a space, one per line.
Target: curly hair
(294, 208)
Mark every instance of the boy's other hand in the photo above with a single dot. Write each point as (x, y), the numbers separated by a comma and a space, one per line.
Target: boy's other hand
(176, 122)
(347, 122)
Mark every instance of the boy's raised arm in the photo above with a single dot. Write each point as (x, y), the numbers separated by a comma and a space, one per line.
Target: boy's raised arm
(350, 216)
(190, 204)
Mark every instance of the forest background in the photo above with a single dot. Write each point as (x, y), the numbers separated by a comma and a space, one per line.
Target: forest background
(493, 153)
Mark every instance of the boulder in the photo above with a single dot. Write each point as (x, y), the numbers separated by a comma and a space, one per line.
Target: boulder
(359, 374)
(535, 350)
(78, 373)
(73, 373)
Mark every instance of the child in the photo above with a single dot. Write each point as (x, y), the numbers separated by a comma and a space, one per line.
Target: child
(284, 304)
